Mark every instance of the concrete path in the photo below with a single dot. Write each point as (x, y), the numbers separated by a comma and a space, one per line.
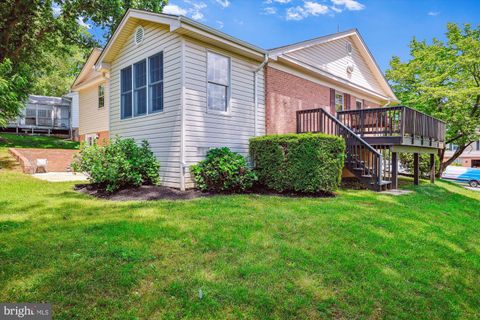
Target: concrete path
(60, 176)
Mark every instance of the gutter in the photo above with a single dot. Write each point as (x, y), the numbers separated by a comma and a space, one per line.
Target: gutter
(255, 93)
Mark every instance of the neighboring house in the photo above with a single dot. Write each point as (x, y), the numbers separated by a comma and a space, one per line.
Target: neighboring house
(44, 115)
(186, 88)
(74, 115)
(469, 158)
(93, 93)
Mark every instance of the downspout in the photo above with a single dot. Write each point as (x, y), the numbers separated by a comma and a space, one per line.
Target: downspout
(255, 93)
(183, 164)
(388, 103)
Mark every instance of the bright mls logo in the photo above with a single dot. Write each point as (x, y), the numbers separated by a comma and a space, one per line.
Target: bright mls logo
(25, 311)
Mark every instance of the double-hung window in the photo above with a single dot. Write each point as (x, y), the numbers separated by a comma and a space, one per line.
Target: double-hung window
(339, 101)
(155, 83)
(142, 87)
(101, 96)
(218, 82)
(126, 92)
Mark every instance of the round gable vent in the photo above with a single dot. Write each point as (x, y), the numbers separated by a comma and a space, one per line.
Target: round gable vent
(139, 33)
(349, 48)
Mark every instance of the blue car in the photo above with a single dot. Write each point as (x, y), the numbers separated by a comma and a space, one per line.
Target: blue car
(462, 174)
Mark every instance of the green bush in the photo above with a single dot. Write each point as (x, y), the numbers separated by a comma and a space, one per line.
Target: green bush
(122, 163)
(406, 160)
(298, 162)
(223, 171)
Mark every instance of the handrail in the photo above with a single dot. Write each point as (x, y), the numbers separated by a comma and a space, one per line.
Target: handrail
(360, 155)
(391, 107)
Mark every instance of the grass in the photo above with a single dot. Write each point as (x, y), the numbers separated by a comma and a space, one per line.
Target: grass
(361, 255)
(10, 140)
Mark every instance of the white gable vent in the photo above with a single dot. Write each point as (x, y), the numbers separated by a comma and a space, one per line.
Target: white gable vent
(349, 48)
(139, 34)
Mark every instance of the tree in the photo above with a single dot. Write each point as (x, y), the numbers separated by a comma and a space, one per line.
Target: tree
(33, 33)
(443, 79)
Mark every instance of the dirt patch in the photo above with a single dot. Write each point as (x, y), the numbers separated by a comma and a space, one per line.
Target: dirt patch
(142, 193)
(146, 193)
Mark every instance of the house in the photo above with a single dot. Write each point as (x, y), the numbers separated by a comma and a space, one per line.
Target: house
(92, 91)
(469, 158)
(186, 88)
(44, 115)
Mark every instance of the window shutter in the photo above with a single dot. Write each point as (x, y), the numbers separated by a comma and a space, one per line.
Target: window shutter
(332, 100)
(346, 97)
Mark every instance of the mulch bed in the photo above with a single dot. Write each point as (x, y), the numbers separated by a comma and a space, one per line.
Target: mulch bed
(149, 192)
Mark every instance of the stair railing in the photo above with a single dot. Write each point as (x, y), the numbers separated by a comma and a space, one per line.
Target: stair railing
(360, 156)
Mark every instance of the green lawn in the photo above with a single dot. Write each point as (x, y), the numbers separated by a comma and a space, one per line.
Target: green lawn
(360, 255)
(10, 140)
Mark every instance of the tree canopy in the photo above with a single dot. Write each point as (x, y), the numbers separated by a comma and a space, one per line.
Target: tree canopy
(41, 42)
(442, 78)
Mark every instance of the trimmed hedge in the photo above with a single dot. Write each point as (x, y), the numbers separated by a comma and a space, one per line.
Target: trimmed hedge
(306, 163)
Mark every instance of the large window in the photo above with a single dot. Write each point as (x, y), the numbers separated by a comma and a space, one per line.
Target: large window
(155, 86)
(359, 104)
(126, 92)
(101, 96)
(339, 103)
(142, 87)
(218, 82)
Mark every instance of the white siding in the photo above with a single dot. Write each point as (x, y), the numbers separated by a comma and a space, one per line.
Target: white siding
(332, 57)
(92, 119)
(161, 130)
(205, 129)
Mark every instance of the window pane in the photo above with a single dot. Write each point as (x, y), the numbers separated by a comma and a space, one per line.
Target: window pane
(126, 79)
(217, 97)
(156, 68)
(338, 101)
(126, 105)
(101, 100)
(156, 97)
(140, 70)
(218, 68)
(140, 101)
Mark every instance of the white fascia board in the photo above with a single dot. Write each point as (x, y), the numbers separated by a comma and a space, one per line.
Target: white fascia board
(332, 77)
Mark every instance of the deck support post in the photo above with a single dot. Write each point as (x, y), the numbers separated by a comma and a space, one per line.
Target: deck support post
(432, 168)
(394, 170)
(416, 171)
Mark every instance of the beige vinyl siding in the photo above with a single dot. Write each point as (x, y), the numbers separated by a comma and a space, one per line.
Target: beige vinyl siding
(332, 57)
(205, 129)
(162, 129)
(92, 118)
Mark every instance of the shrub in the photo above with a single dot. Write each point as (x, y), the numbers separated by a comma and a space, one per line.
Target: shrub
(298, 162)
(121, 163)
(406, 160)
(223, 171)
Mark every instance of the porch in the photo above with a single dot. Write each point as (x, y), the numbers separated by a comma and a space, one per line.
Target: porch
(374, 137)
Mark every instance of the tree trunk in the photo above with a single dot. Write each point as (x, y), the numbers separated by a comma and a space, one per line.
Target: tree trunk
(445, 164)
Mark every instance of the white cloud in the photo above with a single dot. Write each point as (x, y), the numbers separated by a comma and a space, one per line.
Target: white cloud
(278, 1)
(196, 11)
(220, 24)
(270, 10)
(315, 8)
(174, 9)
(310, 8)
(433, 13)
(351, 5)
(81, 22)
(337, 10)
(224, 3)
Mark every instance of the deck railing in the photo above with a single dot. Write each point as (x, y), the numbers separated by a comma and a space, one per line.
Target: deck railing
(400, 121)
(359, 155)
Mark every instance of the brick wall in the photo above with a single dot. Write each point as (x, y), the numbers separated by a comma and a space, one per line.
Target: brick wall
(286, 93)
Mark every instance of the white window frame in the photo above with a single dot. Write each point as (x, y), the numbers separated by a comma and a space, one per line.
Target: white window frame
(361, 104)
(91, 138)
(102, 85)
(229, 87)
(343, 100)
(147, 59)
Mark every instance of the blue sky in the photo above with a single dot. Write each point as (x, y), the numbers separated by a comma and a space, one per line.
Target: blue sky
(386, 25)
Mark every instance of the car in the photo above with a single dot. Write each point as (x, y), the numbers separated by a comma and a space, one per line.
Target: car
(464, 175)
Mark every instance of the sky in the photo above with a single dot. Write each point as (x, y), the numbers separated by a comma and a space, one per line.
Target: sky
(387, 26)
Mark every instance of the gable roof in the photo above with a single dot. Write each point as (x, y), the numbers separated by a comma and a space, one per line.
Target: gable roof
(178, 24)
(88, 73)
(353, 34)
